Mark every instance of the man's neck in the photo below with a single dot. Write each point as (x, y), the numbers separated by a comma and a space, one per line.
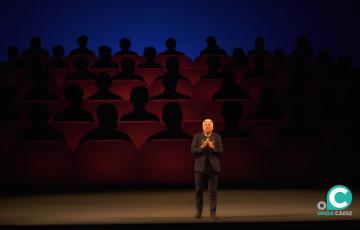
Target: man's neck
(207, 134)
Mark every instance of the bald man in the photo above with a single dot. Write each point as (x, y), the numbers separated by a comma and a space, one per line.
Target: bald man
(207, 147)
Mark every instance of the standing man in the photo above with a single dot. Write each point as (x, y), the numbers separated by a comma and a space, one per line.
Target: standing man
(207, 147)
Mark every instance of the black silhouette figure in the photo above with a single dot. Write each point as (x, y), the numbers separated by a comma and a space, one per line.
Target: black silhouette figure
(35, 48)
(39, 116)
(212, 47)
(103, 84)
(58, 58)
(139, 97)
(172, 67)
(172, 117)
(259, 48)
(40, 91)
(171, 48)
(74, 100)
(7, 113)
(260, 72)
(13, 59)
(127, 71)
(230, 88)
(232, 112)
(81, 72)
(150, 54)
(37, 70)
(105, 58)
(269, 108)
(303, 49)
(82, 50)
(125, 45)
(107, 117)
(214, 64)
(238, 59)
(170, 90)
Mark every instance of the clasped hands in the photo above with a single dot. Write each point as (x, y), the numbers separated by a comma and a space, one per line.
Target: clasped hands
(207, 143)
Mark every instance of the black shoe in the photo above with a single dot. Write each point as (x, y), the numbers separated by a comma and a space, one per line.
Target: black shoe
(197, 215)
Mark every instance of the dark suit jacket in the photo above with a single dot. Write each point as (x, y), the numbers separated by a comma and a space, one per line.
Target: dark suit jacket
(200, 154)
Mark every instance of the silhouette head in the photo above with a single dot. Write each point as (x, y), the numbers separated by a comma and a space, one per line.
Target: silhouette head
(58, 51)
(213, 63)
(172, 115)
(127, 65)
(139, 97)
(170, 43)
(150, 53)
(107, 116)
(211, 41)
(125, 44)
(172, 64)
(82, 41)
(39, 114)
(105, 52)
(169, 83)
(36, 42)
(81, 63)
(232, 113)
(207, 126)
(238, 54)
(74, 96)
(13, 52)
(259, 42)
(103, 82)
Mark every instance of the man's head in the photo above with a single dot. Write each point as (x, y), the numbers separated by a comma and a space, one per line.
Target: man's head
(259, 42)
(103, 82)
(58, 51)
(127, 65)
(150, 53)
(170, 43)
(139, 97)
(35, 42)
(207, 125)
(211, 41)
(105, 52)
(82, 41)
(125, 43)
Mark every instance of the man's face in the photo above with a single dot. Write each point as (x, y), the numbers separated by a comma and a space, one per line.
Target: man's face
(207, 126)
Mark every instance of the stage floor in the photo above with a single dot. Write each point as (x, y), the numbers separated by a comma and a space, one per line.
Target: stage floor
(165, 206)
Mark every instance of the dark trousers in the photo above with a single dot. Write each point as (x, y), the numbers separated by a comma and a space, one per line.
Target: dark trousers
(209, 177)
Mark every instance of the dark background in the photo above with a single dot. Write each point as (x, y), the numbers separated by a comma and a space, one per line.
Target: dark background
(328, 24)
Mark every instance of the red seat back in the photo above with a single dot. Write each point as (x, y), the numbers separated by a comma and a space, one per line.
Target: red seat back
(167, 161)
(107, 162)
